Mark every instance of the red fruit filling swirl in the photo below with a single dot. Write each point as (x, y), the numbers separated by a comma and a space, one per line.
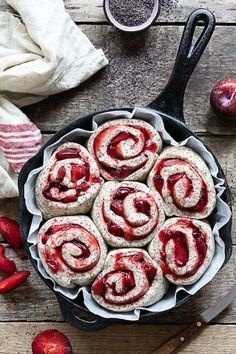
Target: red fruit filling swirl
(114, 150)
(67, 248)
(121, 281)
(68, 180)
(186, 183)
(181, 249)
(141, 206)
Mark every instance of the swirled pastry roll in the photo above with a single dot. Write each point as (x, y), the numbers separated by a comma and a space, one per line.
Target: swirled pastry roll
(130, 279)
(182, 179)
(125, 149)
(72, 250)
(127, 213)
(69, 183)
(184, 249)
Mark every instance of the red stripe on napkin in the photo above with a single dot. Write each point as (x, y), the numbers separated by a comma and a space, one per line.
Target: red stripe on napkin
(18, 127)
(19, 142)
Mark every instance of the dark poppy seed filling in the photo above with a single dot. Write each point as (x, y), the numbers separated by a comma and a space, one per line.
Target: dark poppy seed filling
(131, 12)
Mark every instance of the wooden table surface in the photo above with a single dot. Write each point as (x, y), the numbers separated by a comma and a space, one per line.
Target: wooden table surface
(139, 67)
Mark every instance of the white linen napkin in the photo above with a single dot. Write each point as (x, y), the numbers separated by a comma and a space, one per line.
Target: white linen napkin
(44, 54)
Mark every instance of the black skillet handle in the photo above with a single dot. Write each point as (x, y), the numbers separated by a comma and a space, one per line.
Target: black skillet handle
(73, 315)
(170, 100)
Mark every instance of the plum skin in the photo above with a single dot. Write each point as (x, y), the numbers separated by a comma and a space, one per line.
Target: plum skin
(223, 97)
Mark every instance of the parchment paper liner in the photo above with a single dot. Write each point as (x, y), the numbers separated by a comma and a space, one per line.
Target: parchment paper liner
(222, 215)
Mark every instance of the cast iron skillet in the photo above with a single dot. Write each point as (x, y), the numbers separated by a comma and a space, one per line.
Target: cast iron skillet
(169, 104)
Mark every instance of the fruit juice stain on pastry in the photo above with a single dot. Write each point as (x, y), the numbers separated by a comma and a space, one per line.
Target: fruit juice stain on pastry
(181, 247)
(77, 249)
(182, 179)
(127, 284)
(71, 250)
(53, 265)
(117, 200)
(142, 206)
(148, 267)
(116, 151)
(69, 183)
(77, 173)
(125, 142)
(130, 278)
(68, 153)
(184, 249)
(125, 148)
(127, 213)
(186, 182)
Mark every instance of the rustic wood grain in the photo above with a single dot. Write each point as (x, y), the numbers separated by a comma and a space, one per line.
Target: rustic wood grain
(224, 149)
(176, 342)
(16, 338)
(33, 301)
(171, 10)
(139, 68)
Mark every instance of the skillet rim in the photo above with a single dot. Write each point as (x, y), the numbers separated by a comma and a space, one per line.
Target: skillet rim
(79, 122)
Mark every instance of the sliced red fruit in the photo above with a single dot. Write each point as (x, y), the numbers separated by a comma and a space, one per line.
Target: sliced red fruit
(51, 341)
(84, 187)
(120, 137)
(129, 281)
(12, 281)
(151, 272)
(115, 229)
(70, 199)
(158, 182)
(53, 265)
(77, 172)
(68, 153)
(143, 206)
(122, 192)
(6, 265)
(61, 173)
(10, 231)
(99, 287)
(96, 179)
(117, 207)
(174, 179)
(151, 146)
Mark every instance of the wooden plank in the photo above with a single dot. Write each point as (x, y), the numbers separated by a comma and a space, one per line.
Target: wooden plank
(139, 68)
(10, 208)
(16, 338)
(171, 10)
(225, 151)
(33, 301)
